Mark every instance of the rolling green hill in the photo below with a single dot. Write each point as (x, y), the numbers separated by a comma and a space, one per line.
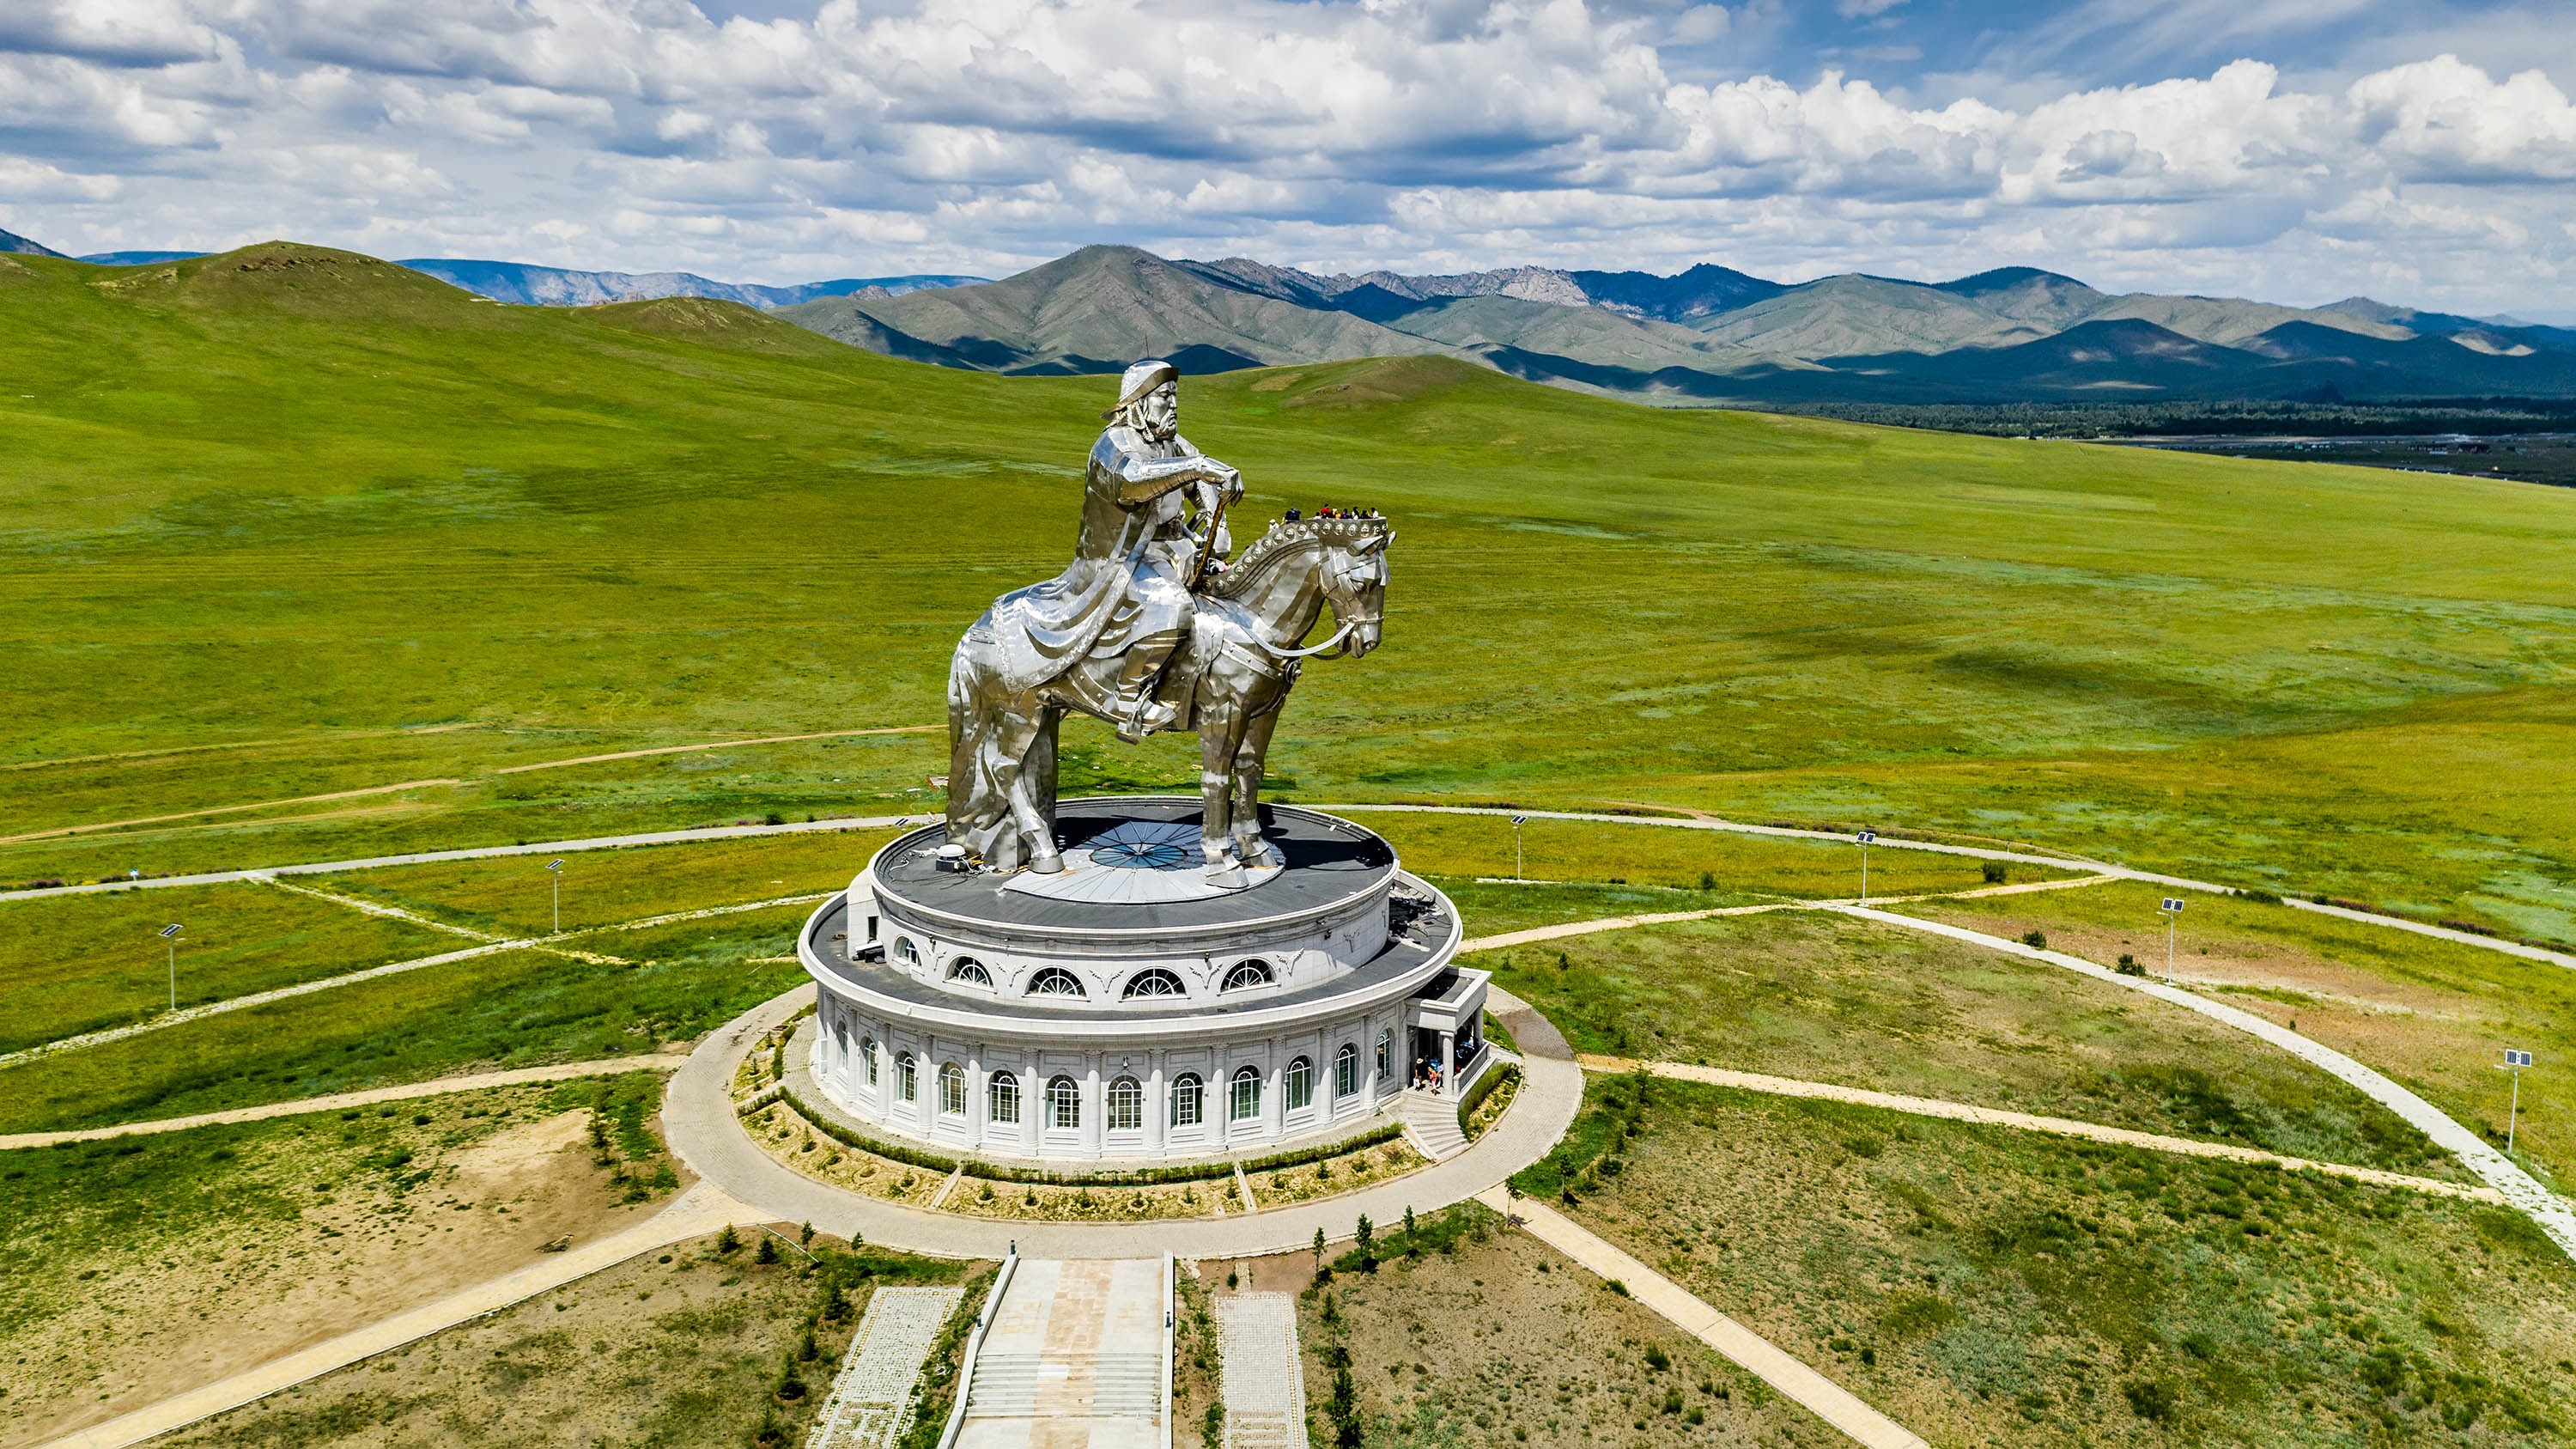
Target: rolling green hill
(289, 522)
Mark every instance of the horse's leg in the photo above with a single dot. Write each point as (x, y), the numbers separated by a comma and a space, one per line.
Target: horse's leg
(1220, 728)
(1028, 773)
(1250, 760)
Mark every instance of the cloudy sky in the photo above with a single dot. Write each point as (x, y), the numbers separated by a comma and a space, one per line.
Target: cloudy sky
(2293, 150)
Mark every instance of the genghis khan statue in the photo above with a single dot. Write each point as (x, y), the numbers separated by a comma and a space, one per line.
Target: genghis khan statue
(1147, 630)
(1124, 601)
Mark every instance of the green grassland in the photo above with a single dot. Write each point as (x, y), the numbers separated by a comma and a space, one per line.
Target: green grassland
(1750, 866)
(285, 500)
(82, 963)
(2432, 1014)
(1825, 998)
(173, 1245)
(1986, 1286)
(514, 893)
(680, 1350)
(509, 1009)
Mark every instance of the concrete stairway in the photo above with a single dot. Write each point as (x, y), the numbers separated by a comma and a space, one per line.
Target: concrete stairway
(1073, 1360)
(1431, 1122)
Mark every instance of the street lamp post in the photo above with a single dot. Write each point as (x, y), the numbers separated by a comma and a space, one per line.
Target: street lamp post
(2171, 910)
(1517, 822)
(2514, 1061)
(170, 934)
(554, 868)
(1865, 837)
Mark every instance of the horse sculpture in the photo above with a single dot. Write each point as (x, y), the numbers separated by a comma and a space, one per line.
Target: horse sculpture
(1234, 668)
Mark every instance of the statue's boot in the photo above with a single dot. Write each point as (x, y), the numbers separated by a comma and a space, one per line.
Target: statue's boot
(1139, 711)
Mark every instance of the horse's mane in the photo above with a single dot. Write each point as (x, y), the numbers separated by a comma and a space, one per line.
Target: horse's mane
(1284, 540)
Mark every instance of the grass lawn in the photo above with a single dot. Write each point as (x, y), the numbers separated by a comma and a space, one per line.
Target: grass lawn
(2430, 1013)
(1734, 867)
(683, 1349)
(1826, 998)
(514, 895)
(203, 1253)
(513, 1008)
(568, 530)
(1987, 1286)
(1550, 1357)
(82, 963)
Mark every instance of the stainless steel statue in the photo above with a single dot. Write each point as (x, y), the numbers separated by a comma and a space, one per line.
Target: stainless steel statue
(1148, 630)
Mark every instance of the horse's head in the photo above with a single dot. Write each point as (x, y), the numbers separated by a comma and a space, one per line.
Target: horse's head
(1354, 576)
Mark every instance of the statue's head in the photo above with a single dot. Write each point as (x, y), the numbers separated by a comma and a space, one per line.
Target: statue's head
(1149, 400)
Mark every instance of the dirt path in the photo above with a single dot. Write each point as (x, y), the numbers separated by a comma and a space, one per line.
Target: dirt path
(702, 1209)
(718, 745)
(62, 830)
(2027, 1122)
(435, 1087)
(162, 753)
(1793, 1377)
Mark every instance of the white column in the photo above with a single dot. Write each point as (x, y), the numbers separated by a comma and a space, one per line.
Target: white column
(1274, 1102)
(1158, 1112)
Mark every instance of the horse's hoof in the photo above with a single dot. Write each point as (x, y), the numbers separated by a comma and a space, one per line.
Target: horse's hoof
(1047, 862)
(1258, 855)
(1228, 874)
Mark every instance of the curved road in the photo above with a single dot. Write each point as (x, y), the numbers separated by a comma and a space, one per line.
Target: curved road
(698, 1119)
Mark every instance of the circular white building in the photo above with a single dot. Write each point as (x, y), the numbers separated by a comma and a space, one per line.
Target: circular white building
(1129, 1009)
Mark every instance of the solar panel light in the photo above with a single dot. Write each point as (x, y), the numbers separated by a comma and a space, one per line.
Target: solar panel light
(2172, 909)
(554, 868)
(170, 933)
(2514, 1061)
(1517, 822)
(1864, 836)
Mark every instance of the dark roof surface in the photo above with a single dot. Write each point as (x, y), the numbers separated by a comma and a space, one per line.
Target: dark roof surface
(1328, 861)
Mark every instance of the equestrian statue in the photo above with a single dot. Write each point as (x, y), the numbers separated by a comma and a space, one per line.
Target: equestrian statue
(1149, 629)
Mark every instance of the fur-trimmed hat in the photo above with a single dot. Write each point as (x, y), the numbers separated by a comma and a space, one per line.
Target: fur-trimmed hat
(1143, 378)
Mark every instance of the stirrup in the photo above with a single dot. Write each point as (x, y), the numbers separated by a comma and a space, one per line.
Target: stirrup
(1149, 715)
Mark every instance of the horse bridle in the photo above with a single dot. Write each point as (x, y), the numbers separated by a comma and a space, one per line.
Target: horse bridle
(1340, 637)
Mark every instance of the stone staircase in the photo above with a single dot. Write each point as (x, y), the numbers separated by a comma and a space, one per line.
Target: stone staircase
(1431, 1123)
(1126, 1385)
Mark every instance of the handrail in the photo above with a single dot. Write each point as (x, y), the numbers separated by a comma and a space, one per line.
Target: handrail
(1171, 1325)
(974, 1343)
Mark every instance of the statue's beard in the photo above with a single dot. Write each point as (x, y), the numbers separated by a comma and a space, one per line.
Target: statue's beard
(1152, 430)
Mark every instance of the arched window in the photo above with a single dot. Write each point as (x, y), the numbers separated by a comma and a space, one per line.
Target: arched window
(868, 1054)
(1247, 1094)
(1301, 1083)
(1157, 982)
(906, 952)
(1055, 981)
(1003, 1095)
(952, 1089)
(1346, 1070)
(1245, 974)
(904, 1083)
(970, 971)
(1126, 1105)
(841, 1044)
(1189, 1100)
(1385, 1054)
(1064, 1103)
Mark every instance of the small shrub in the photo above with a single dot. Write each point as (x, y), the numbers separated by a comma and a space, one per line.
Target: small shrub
(1657, 1359)
(2129, 965)
(728, 1240)
(1993, 871)
(2153, 1400)
(768, 1250)
(2036, 940)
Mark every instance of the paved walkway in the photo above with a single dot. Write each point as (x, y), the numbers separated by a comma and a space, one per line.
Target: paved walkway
(702, 1209)
(435, 1087)
(878, 1375)
(1074, 1358)
(2059, 1126)
(1430, 1124)
(1265, 1376)
(2103, 869)
(2553, 1215)
(1758, 1356)
(486, 852)
(698, 1117)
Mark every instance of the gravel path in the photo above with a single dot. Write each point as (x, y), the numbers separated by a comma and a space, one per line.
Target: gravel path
(1265, 1381)
(2027, 1122)
(435, 1087)
(2545, 1208)
(866, 1409)
(1757, 1355)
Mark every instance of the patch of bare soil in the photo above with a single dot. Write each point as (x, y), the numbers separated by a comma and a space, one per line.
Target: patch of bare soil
(687, 1347)
(1498, 1340)
(237, 1245)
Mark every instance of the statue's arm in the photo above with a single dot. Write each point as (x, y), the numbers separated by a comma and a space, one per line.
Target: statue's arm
(1141, 480)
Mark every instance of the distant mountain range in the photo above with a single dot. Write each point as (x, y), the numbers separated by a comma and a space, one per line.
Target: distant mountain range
(1712, 335)
(1707, 336)
(530, 285)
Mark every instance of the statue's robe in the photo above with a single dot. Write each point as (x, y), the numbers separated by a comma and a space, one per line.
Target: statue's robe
(1129, 576)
